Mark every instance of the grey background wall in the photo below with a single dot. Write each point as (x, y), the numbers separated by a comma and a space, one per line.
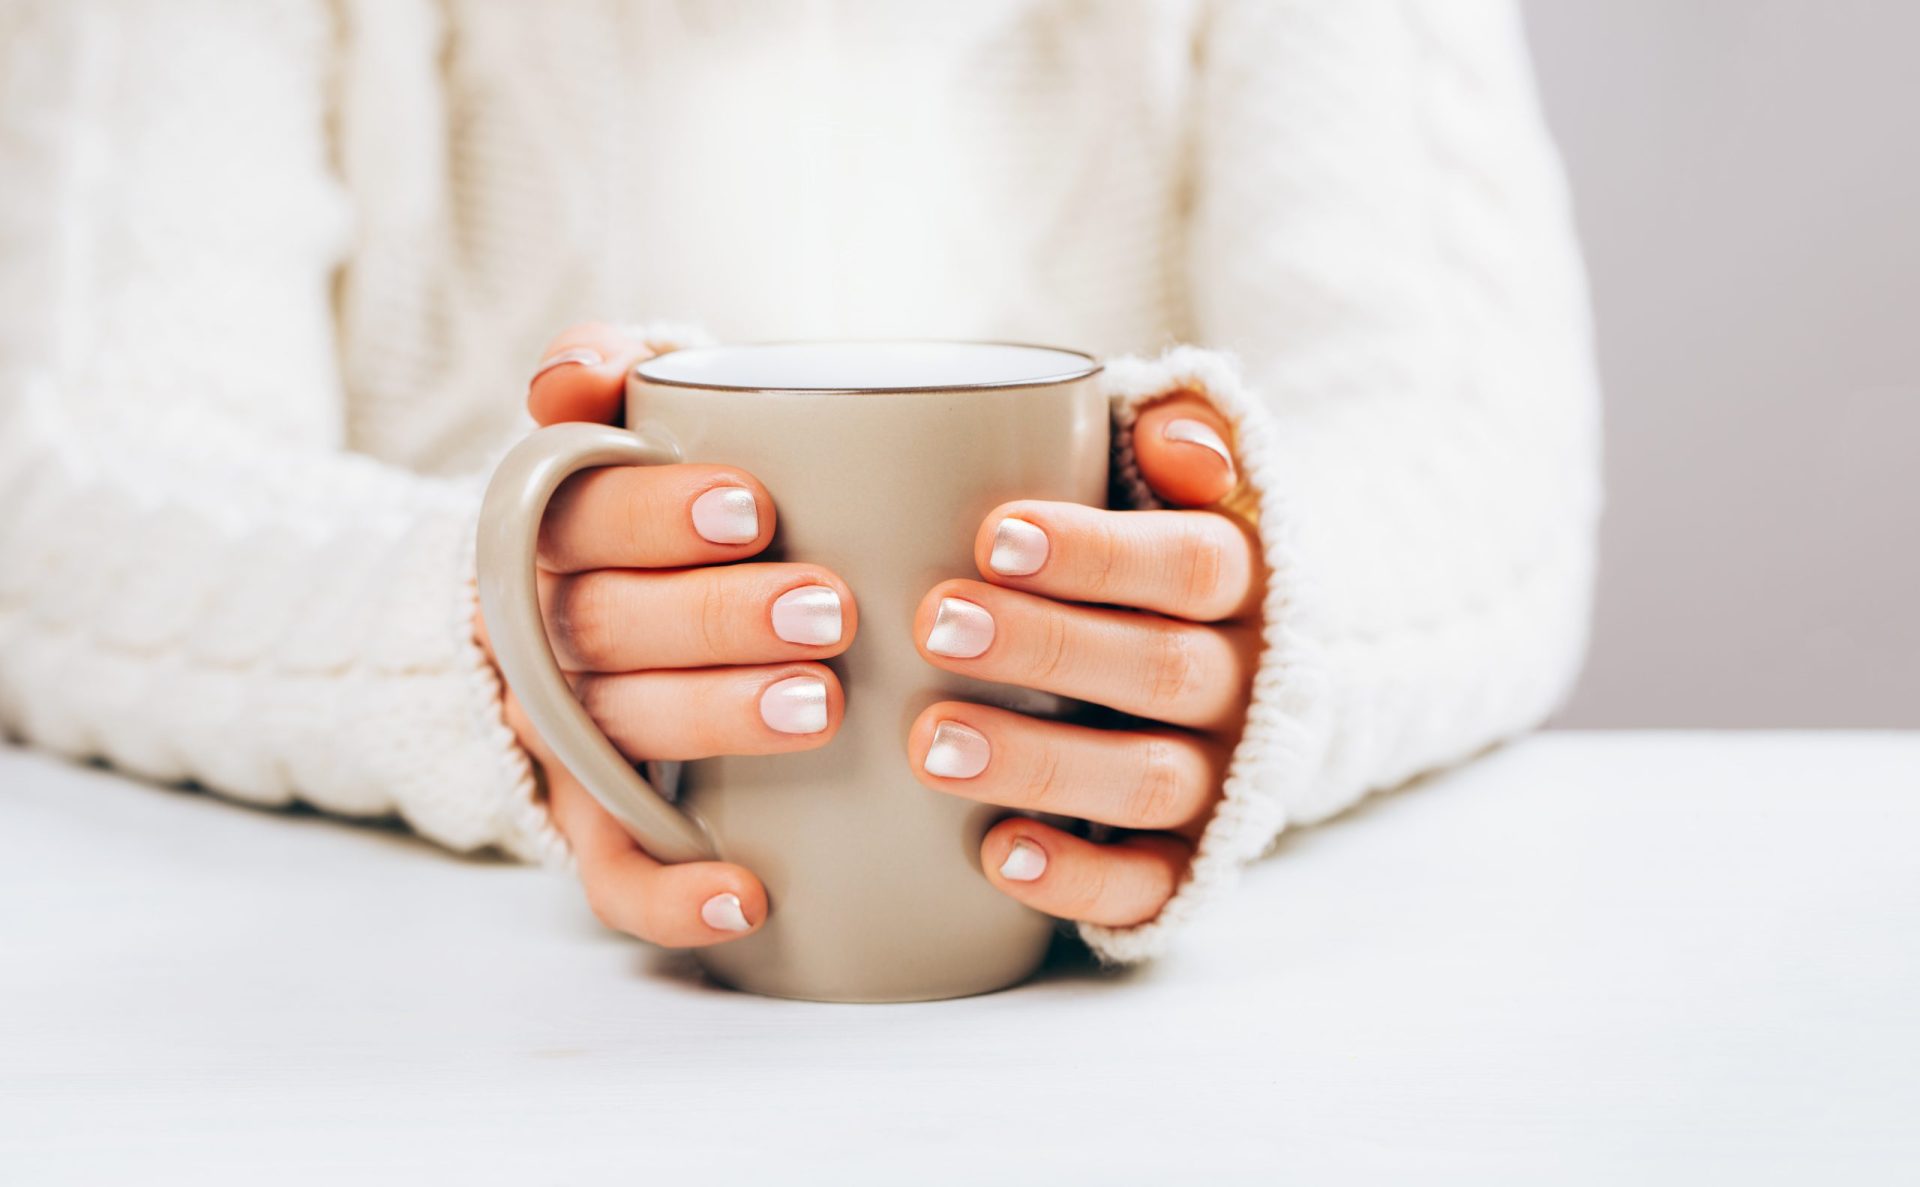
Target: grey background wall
(1748, 183)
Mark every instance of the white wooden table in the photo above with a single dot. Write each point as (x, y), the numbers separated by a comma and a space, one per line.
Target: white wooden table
(1586, 958)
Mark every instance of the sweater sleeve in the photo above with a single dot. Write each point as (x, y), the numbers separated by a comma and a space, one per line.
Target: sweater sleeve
(198, 581)
(1381, 258)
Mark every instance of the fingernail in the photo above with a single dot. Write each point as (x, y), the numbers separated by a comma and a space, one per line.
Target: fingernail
(727, 515)
(961, 629)
(722, 912)
(958, 751)
(584, 355)
(1193, 432)
(810, 614)
(1019, 548)
(1025, 863)
(796, 705)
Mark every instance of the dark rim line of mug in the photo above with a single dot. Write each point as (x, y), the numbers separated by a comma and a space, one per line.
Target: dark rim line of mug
(1094, 367)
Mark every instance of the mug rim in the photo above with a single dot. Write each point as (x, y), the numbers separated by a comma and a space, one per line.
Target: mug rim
(1093, 367)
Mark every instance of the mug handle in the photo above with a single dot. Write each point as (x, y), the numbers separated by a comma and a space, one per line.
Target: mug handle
(509, 534)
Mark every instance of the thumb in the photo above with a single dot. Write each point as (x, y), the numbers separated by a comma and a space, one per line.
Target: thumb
(1182, 447)
(583, 374)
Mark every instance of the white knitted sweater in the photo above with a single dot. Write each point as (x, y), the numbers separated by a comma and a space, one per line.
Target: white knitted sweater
(273, 275)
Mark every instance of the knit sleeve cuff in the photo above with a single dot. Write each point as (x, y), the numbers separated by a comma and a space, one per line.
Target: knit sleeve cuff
(1277, 747)
(527, 830)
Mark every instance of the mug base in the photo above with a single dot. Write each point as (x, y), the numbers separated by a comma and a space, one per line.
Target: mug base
(854, 989)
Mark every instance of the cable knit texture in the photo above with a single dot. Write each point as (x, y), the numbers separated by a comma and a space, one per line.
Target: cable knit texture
(276, 270)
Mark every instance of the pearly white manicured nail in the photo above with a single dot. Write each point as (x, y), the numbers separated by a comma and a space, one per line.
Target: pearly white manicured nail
(1019, 548)
(961, 629)
(1193, 432)
(796, 705)
(810, 614)
(722, 912)
(1026, 862)
(727, 515)
(958, 751)
(584, 355)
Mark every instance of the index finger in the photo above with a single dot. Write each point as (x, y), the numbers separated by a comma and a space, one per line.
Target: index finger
(1198, 565)
(655, 517)
(583, 374)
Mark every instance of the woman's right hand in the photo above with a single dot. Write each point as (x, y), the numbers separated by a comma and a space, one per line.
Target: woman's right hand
(676, 651)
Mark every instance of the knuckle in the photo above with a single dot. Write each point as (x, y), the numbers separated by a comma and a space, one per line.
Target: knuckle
(1172, 671)
(1200, 562)
(1155, 799)
(582, 619)
(1040, 780)
(1050, 657)
(720, 608)
(1103, 548)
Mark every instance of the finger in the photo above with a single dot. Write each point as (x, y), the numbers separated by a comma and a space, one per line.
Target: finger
(1170, 671)
(1150, 779)
(582, 374)
(622, 886)
(690, 905)
(1183, 449)
(626, 620)
(1191, 564)
(1116, 885)
(655, 517)
(703, 712)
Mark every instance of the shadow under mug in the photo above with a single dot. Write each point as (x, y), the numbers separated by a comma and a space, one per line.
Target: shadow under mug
(882, 458)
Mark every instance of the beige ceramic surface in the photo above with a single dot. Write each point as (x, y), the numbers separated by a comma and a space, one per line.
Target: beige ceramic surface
(875, 887)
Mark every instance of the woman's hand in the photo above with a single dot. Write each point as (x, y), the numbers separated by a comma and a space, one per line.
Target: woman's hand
(1151, 613)
(671, 658)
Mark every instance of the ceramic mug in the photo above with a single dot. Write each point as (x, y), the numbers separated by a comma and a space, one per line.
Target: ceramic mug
(882, 459)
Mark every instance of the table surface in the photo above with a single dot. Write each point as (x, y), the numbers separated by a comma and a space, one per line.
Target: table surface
(1585, 957)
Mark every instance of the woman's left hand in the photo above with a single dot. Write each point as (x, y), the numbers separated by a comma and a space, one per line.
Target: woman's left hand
(1151, 613)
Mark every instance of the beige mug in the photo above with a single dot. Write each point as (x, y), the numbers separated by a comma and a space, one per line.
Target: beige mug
(882, 458)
